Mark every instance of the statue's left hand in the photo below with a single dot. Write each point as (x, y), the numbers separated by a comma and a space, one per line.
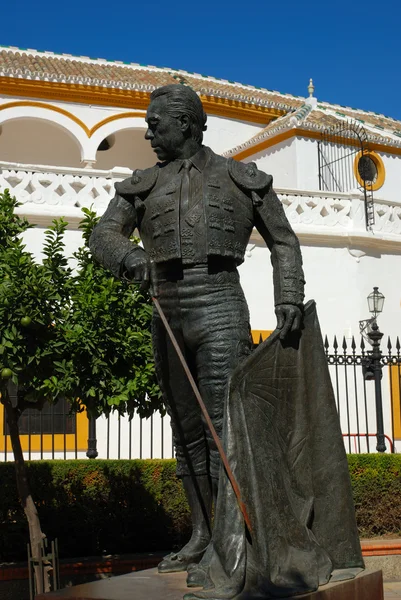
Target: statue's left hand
(289, 319)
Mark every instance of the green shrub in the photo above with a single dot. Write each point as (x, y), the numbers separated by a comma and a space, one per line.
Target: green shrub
(95, 507)
(376, 484)
(122, 506)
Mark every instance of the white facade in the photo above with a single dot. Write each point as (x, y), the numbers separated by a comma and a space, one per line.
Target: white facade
(49, 159)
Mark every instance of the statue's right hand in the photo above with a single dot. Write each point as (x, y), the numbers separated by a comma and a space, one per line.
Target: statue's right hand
(136, 268)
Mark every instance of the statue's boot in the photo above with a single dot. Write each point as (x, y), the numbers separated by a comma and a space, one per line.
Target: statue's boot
(199, 496)
(198, 573)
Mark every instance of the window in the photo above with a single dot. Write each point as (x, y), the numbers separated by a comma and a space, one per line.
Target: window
(50, 430)
(53, 418)
(369, 170)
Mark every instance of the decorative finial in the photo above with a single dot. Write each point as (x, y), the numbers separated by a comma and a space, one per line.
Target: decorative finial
(311, 88)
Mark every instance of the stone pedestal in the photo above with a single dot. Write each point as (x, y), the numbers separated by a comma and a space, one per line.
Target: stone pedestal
(149, 585)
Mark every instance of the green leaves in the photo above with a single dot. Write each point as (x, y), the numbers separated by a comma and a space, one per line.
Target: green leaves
(109, 338)
(82, 334)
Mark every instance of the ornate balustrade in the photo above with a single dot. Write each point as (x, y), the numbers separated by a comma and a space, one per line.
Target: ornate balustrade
(60, 191)
(46, 192)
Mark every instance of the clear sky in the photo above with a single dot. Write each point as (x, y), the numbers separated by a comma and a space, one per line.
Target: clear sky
(351, 49)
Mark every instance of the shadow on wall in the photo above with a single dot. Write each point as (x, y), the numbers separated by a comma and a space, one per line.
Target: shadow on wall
(126, 148)
(40, 142)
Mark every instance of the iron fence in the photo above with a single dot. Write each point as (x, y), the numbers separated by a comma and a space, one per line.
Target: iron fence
(366, 384)
(362, 377)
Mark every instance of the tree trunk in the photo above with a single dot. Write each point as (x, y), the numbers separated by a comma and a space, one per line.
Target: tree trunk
(35, 532)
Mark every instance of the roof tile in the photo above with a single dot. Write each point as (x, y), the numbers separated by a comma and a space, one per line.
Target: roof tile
(117, 74)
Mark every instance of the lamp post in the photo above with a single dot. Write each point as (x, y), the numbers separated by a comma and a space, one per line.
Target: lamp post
(375, 303)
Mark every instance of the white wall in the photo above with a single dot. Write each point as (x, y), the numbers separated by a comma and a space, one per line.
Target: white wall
(307, 164)
(34, 239)
(280, 161)
(223, 134)
(336, 281)
(391, 189)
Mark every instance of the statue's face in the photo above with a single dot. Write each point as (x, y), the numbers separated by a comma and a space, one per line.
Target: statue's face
(164, 131)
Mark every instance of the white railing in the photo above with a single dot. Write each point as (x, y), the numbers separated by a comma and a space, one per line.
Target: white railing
(47, 192)
(62, 191)
(343, 212)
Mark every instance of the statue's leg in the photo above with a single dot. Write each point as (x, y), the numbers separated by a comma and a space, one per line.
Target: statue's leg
(223, 344)
(189, 441)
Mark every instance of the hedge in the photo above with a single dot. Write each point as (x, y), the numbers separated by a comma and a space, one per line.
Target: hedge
(96, 507)
(376, 484)
(120, 506)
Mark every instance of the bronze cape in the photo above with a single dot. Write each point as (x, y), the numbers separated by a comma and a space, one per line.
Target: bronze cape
(284, 444)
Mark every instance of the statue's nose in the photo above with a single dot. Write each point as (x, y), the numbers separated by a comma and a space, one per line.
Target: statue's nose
(149, 135)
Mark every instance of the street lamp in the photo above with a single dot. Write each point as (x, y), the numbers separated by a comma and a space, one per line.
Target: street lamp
(375, 304)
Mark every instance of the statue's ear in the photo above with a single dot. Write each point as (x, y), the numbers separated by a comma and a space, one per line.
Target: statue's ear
(185, 123)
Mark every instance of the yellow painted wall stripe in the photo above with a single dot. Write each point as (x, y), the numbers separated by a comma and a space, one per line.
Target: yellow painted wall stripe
(82, 438)
(258, 333)
(395, 377)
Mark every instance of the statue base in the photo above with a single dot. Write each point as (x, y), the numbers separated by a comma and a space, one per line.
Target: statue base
(150, 585)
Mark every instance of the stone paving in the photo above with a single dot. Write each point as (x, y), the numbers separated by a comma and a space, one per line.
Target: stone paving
(392, 590)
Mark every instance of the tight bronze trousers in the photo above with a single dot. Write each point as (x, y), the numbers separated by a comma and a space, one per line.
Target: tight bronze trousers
(208, 314)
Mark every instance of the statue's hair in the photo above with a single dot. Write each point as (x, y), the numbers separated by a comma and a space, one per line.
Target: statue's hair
(183, 100)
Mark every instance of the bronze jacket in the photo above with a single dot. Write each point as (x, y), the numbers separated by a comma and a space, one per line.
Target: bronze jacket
(229, 199)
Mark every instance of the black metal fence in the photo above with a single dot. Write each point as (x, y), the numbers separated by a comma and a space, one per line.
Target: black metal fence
(366, 384)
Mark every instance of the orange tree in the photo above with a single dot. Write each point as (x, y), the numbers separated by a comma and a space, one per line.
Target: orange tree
(33, 300)
(108, 360)
(81, 334)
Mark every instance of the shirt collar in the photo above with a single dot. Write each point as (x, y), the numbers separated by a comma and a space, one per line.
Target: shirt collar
(198, 160)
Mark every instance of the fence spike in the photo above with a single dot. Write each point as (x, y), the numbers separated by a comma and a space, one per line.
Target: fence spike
(353, 345)
(335, 343)
(362, 344)
(344, 345)
(397, 345)
(326, 343)
(389, 346)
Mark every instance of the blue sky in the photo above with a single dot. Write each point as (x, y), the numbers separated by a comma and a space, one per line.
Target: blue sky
(351, 49)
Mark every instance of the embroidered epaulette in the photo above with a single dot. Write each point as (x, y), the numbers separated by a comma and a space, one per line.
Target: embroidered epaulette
(248, 176)
(140, 182)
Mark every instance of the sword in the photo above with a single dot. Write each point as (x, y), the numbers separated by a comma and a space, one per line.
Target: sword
(203, 408)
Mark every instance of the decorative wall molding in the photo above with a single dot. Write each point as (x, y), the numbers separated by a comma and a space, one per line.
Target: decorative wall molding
(356, 253)
(228, 105)
(247, 149)
(51, 107)
(46, 192)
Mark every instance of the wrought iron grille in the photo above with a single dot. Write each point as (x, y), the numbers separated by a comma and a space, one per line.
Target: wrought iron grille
(342, 150)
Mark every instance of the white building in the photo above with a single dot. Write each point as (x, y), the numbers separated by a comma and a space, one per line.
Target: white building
(72, 126)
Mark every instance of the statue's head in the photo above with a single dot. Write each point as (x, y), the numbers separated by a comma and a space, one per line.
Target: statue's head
(175, 119)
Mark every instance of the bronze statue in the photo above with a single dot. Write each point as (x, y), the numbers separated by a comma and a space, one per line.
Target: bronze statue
(195, 212)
